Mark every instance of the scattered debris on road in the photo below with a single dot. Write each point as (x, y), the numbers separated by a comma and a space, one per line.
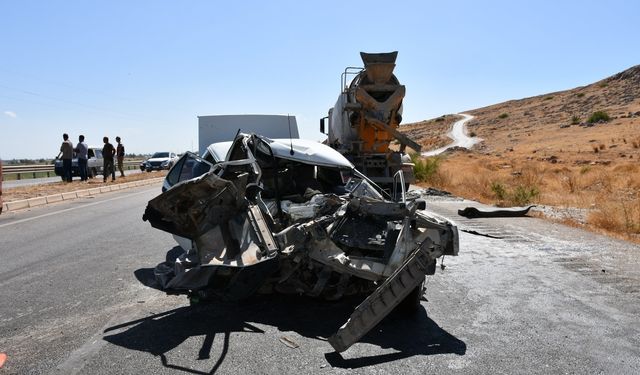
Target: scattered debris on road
(289, 342)
(474, 212)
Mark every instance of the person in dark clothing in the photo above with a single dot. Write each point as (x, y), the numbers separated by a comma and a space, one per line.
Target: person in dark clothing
(66, 150)
(108, 152)
(120, 156)
(82, 153)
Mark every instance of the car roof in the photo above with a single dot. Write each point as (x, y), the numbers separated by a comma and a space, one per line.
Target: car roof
(304, 151)
(309, 152)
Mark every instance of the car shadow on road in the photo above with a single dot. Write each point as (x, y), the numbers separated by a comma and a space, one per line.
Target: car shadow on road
(161, 333)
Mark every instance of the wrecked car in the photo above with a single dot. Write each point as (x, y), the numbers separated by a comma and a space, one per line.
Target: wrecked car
(294, 216)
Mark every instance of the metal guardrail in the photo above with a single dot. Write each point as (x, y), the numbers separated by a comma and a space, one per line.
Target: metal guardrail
(37, 171)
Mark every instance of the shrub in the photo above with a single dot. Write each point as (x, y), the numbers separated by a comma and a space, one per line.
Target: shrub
(524, 194)
(548, 98)
(503, 115)
(621, 216)
(602, 146)
(570, 181)
(575, 120)
(580, 95)
(472, 134)
(598, 116)
(424, 169)
(499, 190)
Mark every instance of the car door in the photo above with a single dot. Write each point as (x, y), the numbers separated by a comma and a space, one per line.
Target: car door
(98, 160)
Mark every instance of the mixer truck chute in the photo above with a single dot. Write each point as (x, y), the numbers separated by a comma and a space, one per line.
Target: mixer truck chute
(364, 121)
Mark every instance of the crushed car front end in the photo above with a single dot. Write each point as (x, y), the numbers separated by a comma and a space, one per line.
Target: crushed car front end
(295, 218)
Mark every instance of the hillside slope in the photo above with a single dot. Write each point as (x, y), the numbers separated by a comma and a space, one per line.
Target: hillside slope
(556, 124)
(547, 150)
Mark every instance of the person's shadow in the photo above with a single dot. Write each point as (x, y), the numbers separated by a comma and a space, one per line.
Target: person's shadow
(410, 335)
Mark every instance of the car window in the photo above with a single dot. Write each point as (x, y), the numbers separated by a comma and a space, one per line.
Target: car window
(98, 153)
(160, 155)
(187, 167)
(90, 153)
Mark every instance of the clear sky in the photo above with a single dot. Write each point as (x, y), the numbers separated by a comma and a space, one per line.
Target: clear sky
(144, 70)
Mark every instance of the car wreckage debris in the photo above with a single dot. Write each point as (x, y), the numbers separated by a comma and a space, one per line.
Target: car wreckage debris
(474, 212)
(281, 217)
(384, 299)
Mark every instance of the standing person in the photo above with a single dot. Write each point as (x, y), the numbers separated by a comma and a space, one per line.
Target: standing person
(120, 155)
(66, 150)
(108, 152)
(82, 152)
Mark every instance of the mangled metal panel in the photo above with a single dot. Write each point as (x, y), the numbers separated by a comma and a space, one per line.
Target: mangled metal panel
(257, 221)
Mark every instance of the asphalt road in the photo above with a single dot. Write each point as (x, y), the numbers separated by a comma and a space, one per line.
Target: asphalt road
(526, 297)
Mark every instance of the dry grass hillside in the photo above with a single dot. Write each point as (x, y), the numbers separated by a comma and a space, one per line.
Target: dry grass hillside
(431, 134)
(578, 148)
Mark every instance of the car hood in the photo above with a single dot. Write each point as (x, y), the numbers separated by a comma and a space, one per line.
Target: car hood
(158, 159)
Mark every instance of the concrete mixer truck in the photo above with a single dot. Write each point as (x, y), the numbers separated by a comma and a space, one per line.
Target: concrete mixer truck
(364, 121)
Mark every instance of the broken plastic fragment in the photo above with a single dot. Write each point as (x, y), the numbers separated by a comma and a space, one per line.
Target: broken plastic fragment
(288, 342)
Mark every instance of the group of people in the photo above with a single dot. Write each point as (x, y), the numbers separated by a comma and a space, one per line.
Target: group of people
(81, 151)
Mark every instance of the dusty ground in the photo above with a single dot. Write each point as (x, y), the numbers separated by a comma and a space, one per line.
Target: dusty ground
(25, 192)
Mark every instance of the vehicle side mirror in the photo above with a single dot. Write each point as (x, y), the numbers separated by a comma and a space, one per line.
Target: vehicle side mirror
(322, 126)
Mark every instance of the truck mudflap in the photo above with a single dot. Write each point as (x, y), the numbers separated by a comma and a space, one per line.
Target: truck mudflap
(384, 299)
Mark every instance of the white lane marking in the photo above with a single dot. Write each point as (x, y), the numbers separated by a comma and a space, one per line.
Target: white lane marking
(74, 208)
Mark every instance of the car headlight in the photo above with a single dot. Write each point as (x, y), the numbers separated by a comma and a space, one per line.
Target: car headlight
(165, 163)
